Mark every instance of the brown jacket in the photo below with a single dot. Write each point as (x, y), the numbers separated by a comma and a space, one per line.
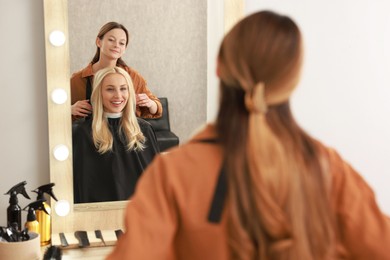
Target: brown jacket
(167, 217)
(78, 85)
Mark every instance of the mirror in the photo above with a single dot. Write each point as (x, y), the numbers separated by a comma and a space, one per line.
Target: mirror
(167, 45)
(108, 215)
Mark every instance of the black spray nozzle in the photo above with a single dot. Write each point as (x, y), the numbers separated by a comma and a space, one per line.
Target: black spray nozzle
(32, 207)
(13, 234)
(47, 188)
(17, 189)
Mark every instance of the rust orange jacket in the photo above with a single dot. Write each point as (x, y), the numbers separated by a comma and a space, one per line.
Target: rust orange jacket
(167, 216)
(78, 85)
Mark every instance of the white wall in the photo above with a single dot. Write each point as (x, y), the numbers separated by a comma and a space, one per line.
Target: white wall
(343, 97)
(215, 27)
(24, 144)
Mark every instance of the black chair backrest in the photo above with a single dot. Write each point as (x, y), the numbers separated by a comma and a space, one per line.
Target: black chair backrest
(162, 123)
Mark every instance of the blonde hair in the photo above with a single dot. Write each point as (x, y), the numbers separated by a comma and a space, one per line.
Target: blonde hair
(278, 190)
(129, 127)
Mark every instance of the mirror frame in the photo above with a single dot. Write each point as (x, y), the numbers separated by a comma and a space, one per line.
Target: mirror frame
(86, 216)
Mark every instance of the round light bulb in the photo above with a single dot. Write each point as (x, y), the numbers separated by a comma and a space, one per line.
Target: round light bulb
(61, 152)
(57, 38)
(59, 96)
(62, 208)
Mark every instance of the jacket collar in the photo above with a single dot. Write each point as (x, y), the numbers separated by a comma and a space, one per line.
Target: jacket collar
(87, 71)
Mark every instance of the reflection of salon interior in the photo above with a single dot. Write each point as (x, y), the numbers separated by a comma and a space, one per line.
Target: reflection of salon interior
(41, 51)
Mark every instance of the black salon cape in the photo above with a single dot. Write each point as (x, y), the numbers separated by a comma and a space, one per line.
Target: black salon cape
(111, 176)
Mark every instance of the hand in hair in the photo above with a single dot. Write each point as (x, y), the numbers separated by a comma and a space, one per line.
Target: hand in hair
(81, 108)
(144, 101)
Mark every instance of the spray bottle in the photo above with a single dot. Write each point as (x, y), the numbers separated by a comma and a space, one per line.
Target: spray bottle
(14, 212)
(43, 215)
(32, 224)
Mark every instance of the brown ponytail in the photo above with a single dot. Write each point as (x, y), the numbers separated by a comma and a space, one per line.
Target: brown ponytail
(278, 203)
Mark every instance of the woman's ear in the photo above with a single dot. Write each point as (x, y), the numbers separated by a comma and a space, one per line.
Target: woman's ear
(217, 70)
(98, 42)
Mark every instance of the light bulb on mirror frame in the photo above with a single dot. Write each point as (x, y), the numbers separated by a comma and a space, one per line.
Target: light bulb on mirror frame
(61, 152)
(57, 38)
(59, 96)
(62, 208)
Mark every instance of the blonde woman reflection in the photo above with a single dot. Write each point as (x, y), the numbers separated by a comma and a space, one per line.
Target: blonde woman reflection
(254, 185)
(111, 149)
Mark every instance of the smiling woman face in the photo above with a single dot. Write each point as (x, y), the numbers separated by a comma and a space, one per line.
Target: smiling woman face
(113, 44)
(115, 93)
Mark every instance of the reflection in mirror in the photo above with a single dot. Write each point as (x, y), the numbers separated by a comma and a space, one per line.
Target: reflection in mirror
(171, 58)
(167, 47)
(181, 78)
(112, 148)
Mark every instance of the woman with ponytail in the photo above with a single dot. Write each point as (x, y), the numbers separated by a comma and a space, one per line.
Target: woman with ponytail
(254, 185)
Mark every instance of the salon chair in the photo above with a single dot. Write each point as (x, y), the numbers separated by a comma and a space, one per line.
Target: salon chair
(165, 137)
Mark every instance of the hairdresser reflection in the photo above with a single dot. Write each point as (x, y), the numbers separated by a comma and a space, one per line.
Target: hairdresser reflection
(111, 43)
(111, 149)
